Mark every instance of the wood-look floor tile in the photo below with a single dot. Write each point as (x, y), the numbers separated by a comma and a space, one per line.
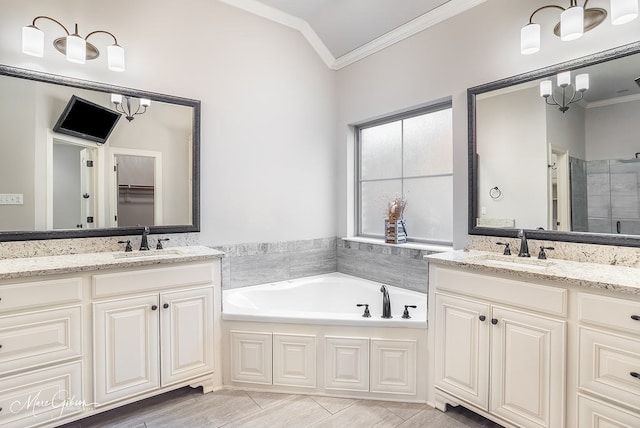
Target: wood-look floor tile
(333, 404)
(295, 412)
(361, 414)
(267, 399)
(403, 410)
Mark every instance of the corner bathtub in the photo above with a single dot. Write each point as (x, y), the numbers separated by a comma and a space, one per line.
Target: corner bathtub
(323, 299)
(307, 336)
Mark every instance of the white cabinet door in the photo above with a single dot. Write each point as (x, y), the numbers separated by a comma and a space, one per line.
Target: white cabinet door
(462, 348)
(347, 363)
(187, 334)
(527, 368)
(126, 349)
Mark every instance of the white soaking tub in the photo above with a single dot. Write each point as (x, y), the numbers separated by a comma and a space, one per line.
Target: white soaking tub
(324, 299)
(307, 336)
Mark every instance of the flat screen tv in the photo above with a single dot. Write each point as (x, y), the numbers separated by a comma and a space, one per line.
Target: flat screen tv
(84, 119)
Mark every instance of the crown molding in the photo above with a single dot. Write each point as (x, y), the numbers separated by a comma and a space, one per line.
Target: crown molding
(612, 101)
(421, 23)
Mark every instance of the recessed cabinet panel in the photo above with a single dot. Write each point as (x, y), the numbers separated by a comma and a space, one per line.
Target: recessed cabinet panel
(38, 338)
(251, 357)
(347, 363)
(41, 396)
(596, 414)
(126, 350)
(294, 360)
(462, 339)
(187, 334)
(527, 368)
(40, 293)
(607, 362)
(393, 366)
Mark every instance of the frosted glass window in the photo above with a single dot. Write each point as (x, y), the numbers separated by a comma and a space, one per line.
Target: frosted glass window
(408, 155)
(381, 151)
(427, 144)
(430, 216)
(375, 195)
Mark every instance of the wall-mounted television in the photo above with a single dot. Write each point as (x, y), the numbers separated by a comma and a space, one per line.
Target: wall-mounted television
(87, 120)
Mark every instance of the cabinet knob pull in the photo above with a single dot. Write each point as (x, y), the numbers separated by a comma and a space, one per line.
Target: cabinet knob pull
(154, 307)
(494, 321)
(166, 305)
(635, 374)
(482, 317)
(635, 317)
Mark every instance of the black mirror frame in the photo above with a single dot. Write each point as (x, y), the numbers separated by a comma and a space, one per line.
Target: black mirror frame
(37, 76)
(548, 235)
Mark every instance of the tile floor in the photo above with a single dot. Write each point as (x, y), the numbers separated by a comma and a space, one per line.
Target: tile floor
(189, 408)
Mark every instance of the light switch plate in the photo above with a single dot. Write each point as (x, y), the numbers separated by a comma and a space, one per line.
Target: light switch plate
(11, 199)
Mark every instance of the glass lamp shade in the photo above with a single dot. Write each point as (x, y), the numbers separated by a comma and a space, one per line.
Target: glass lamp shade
(116, 98)
(623, 11)
(572, 24)
(115, 58)
(530, 39)
(582, 82)
(564, 78)
(546, 88)
(145, 102)
(76, 49)
(32, 41)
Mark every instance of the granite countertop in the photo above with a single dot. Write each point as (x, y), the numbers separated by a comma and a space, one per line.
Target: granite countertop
(50, 265)
(593, 275)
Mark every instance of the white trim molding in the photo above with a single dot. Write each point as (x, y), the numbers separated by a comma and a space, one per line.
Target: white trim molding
(421, 23)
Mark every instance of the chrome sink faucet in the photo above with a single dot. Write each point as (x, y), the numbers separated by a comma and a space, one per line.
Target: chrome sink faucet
(386, 303)
(144, 244)
(524, 245)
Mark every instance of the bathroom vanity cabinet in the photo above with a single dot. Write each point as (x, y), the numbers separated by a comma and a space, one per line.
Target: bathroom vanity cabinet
(75, 344)
(531, 350)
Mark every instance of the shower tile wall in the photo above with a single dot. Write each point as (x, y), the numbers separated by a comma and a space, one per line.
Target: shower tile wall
(579, 210)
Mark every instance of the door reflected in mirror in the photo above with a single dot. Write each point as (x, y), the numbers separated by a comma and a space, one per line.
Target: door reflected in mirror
(136, 190)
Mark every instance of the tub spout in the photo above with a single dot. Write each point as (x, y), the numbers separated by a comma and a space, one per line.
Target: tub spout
(386, 303)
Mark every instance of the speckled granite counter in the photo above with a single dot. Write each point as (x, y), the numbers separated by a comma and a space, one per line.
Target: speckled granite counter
(621, 279)
(50, 265)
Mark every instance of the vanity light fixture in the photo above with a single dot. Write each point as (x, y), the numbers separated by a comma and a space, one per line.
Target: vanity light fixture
(564, 83)
(76, 48)
(575, 20)
(123, 104)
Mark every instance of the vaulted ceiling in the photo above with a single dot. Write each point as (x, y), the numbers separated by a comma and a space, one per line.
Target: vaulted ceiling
(344, 31)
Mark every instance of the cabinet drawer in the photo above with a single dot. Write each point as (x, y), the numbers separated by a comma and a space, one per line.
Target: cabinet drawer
(141, 280)
(42, 337)
(39, 293)
(526, 295)
(42, 396)
(606, 363)
(596, 414)
(609, 312)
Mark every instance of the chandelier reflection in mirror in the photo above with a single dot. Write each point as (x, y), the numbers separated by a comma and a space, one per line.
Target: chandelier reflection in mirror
(76, 48)
(575, 20)
(566, 88)
(124, 105)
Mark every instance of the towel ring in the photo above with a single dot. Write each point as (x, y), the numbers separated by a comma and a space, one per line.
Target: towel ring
(495, 193)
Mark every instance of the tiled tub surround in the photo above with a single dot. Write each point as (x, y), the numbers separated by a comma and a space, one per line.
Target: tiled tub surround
(259, 263)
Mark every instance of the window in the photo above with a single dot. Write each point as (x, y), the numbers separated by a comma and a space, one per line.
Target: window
(408, 155)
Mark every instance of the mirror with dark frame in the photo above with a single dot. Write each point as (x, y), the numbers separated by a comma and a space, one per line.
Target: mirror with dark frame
(560, 161)
(75, 164)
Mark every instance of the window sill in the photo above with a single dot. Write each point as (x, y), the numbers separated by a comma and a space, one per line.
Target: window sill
(408, 245)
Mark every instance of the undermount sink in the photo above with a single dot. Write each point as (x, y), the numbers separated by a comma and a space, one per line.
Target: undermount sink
(147, 254)
(514, 261)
